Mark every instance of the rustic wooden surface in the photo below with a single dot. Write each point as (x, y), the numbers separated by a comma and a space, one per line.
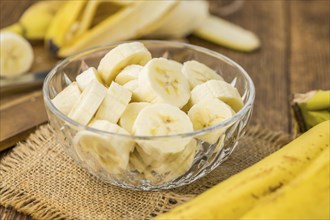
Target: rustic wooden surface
(294, 56)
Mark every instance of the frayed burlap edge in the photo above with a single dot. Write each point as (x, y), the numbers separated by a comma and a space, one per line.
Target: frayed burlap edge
(22, 202)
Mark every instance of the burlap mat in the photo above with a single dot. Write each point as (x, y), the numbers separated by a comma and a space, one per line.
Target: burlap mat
(39, 179)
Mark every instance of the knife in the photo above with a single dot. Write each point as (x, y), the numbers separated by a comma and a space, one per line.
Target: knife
(22, 83)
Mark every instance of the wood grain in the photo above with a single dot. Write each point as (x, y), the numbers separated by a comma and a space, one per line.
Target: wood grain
(294, 56)
(310, 46)
(19, 117)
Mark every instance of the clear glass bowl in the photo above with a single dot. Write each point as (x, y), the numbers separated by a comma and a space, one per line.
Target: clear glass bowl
(154, 173)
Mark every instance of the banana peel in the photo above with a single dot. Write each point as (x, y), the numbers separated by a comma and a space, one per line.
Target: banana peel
(68, 27)
(310, 109)
(77, 27)
(64, 24)
(127, 23)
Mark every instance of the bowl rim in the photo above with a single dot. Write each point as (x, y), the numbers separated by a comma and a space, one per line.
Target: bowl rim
(79, 126)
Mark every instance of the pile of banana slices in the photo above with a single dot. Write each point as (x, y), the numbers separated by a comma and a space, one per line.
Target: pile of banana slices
(132, 94)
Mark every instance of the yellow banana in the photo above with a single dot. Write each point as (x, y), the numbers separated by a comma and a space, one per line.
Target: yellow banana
(311, 109)
(121, 25)
(241, 192)
(307, 197)
(64, 24)
(35, 21)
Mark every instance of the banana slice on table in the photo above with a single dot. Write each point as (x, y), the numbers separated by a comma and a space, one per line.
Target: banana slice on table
(88, 103)
(198, 73)
(208, 113)
(16, 55)
(227, 34)
(86, 77)
(121, 56)
(114, 103)
(158, 120)
(217, 89)
(132, 110)
(111, 152)
(130, 72)
(161, 81)
(67, 98)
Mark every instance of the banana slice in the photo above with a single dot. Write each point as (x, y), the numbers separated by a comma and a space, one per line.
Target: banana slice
(16, 55)
(129, 73)
(67, 98)
(136, 162)
(176, 165)
(86, 77)
(227, 34)
(133, 86)
(208, 113)
(111, 152)
(158, 120)
(88, 103)
(217, 89)
(198, 73)
(120, 57)
(161, 81)
(132, 110)
(114, 104)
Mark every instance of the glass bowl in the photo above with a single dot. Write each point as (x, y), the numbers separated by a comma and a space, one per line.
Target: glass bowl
(148, 171)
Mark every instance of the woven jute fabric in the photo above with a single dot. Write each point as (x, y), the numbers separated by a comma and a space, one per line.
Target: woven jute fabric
(39, 179)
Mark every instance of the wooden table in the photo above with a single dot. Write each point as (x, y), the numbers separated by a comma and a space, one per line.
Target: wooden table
(294, 56)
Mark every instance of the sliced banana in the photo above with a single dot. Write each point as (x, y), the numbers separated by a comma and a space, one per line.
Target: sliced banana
(227, 34)
(161, 81)
(110, 151)
(178, 164)
(86, 77)
(208, 113)
(133, 86)
(114, 104)
(217, 89)
(132, 110)
(16, 55)
(130, 72)
(158, 120)
(120, 57)
(67, 98)
(88, 103)
(137, 162)
(198, 73)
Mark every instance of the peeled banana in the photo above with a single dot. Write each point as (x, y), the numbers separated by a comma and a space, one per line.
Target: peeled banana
(234, 197)
(311, 109)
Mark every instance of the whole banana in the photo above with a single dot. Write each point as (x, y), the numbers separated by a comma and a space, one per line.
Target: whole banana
(240, 193)
(35, 21)
(309, 190)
